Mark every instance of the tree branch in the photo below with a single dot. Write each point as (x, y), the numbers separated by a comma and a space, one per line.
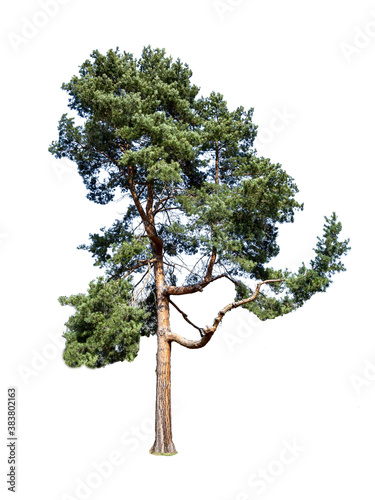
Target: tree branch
(197, 287)
(174, 265)
(209, 331)
(166, 209)
(147, 221)
(234, 305)
(161, 203)
(148, 272)
(211, 264)
(185, 316)
(212, 260)
(150, 199)
(136, 266)
(190, 344)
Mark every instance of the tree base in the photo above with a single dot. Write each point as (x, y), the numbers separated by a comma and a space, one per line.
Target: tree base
(163, 454)
(167, 451)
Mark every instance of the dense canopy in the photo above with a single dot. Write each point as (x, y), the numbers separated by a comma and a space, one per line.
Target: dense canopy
(196, 196)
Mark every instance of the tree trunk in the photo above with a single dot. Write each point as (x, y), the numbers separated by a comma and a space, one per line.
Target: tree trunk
(163, 444)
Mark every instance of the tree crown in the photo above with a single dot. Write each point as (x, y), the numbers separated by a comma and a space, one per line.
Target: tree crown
(186, 167)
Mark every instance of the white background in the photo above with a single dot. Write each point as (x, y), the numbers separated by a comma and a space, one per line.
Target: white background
(306, 378)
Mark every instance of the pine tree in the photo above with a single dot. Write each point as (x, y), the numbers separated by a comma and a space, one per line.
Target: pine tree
(200, 206)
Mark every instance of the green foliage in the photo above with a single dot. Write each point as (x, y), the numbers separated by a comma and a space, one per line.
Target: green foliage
(143, 126)
(241, 219)
(105, 327)
(326, 263)
(137, 113)
(302, 285)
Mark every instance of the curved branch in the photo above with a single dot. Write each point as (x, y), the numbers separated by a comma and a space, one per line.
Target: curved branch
(209, 331)
(190, 344)
(197, 287)
(234, 305)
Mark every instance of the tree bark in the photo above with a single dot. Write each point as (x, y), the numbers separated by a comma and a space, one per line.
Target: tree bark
(163, 444)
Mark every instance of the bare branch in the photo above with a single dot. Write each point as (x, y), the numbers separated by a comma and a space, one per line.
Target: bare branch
(144, 284)
(234, 305)
(196, 287)
(160, 205)
(190, 344)
(140, 281)
(209, 331)
(174, 264)
(197, 262)
(219, 262)
(166, 209)
(130, 270)
(185, 316)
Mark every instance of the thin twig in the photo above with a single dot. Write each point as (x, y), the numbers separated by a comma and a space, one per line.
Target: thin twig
(144, 285)
(185, 316)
